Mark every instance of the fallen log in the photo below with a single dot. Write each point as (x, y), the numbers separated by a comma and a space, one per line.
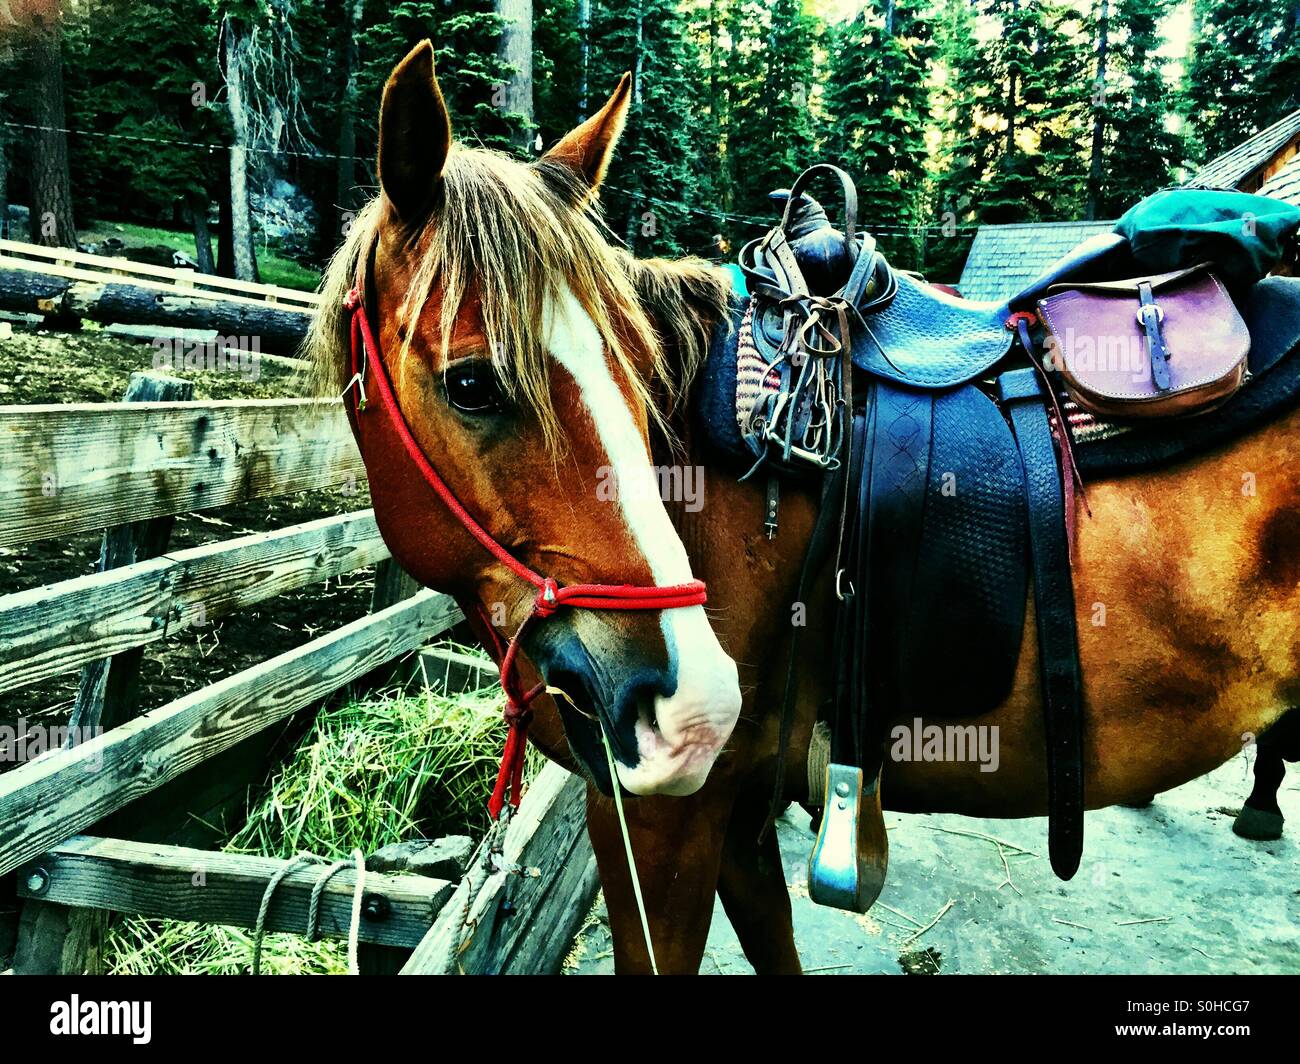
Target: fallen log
(278, 329)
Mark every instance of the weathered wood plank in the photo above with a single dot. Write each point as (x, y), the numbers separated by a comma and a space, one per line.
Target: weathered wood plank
(557, 919)
(392, 584)
(51, 629)
(106, 694)
(548, 835)
(75, 467)
(174, 276)
(226, 888)
(53, 797)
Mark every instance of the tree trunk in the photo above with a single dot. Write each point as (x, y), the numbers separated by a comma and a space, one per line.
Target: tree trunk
(516, 50)
(51, 221)
(4, 183)
(1095, 171)
(198, 218)
(634, 207)
(225, 227)
(346, 171)
(237, 46)
(584, 50)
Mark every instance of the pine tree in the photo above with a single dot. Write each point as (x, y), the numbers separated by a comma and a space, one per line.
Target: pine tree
(771, 129)
(1016, 97)
(878, 101)
(144, 70)
(472, 76)
(1244, 70)
(1139, 148)
(557, 67)
(650, 195)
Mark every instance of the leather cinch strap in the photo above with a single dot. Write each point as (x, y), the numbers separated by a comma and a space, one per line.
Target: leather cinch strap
(1059, 673)
(366, 358)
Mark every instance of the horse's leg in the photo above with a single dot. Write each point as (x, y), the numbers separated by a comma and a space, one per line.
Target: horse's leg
(1261, 817)
(754, 892)
(678, 844)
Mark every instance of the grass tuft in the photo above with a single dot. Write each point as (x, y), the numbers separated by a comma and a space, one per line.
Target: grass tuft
(385, 769)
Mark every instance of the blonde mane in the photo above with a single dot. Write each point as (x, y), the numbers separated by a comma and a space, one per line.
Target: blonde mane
(516, 235)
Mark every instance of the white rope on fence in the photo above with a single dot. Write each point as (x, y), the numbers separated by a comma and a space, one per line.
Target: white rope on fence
(357, 862)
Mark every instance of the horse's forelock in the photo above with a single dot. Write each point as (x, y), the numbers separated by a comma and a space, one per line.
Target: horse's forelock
(515, 237)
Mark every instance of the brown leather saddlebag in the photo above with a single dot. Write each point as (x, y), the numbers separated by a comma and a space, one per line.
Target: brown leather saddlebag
(1147, 347)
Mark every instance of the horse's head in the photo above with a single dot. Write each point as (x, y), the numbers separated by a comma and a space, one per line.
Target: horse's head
(525, 364)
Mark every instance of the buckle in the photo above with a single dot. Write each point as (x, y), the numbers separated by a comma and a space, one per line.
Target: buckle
(1142, 313)
(839, 583)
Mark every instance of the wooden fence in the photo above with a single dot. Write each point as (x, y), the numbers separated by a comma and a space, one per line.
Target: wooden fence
(131, 468)
(63, 284)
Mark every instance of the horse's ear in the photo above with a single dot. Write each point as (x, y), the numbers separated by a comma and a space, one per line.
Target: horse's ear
(414, 135)
(588, 148)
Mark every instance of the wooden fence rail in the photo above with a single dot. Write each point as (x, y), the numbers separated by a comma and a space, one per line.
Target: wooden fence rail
(523, 918)
(50, 629)
(68, 285)
(46, 800)
(82, 466)
(67, 469)
(173, 277)
(226, 888)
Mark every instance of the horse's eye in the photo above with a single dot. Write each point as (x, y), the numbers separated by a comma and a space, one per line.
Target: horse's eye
(473, 388)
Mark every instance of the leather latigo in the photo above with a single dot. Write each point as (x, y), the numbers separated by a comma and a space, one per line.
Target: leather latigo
(1156, 346)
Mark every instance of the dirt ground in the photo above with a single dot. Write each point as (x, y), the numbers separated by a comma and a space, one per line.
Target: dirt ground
(1166, 889)
(90, 366)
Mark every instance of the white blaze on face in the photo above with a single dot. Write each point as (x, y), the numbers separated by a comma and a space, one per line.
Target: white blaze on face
(697, 718)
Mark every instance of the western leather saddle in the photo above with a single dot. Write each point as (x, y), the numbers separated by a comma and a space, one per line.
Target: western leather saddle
(947, 478)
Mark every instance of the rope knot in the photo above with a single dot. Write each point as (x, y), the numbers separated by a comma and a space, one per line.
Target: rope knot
(547, 600)
(353, 299)
(517, 713)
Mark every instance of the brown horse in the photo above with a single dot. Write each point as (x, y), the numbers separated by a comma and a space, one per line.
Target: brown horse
(537, 366)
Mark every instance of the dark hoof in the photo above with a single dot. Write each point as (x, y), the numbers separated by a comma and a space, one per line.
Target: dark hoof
(1252, 823)
(1140, 803)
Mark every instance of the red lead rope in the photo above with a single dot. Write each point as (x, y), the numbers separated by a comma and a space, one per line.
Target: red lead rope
(550, 595)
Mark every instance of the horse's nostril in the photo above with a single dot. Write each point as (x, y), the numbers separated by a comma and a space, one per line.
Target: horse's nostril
(645, 709)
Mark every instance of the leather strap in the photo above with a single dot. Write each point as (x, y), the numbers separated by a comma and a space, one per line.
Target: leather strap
(850, 203)
(1151, 317)
(818, 545)
(1058, 645)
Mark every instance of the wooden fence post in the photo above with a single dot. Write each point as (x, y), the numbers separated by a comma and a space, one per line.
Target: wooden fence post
(55, 939)
(392, 585)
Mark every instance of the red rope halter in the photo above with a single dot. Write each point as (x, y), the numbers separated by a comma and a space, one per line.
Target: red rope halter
(550, 595)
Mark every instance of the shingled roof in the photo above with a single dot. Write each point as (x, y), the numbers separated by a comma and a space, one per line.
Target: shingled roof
(1233, 167)
(1285, 184)
(1004, 258)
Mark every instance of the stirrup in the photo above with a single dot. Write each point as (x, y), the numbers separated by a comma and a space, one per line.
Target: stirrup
(846, 869)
